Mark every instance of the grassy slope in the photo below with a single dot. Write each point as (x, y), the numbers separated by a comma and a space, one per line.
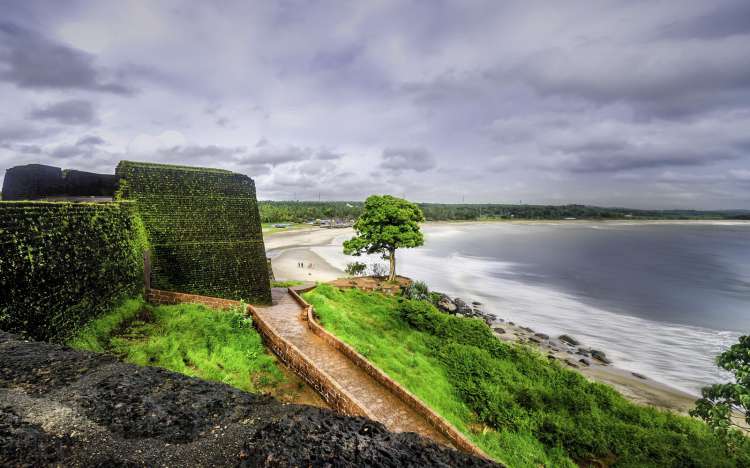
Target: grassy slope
(186, 338)
(508, 399)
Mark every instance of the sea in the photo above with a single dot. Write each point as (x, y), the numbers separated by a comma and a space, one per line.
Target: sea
(660, 298)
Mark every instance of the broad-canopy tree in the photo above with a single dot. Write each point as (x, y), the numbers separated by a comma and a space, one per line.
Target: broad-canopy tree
(387, 223)
(720, 400)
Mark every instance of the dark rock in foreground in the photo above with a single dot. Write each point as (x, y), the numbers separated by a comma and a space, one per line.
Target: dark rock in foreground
(63, 407)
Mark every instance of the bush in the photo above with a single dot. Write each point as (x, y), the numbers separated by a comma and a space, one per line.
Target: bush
(379, 270)
(355, 268)
(418, 290)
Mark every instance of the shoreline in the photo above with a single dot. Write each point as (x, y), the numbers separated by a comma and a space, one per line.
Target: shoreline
(287, 248)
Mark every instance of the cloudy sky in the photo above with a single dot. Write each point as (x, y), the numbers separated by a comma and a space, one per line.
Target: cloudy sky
(628, 103)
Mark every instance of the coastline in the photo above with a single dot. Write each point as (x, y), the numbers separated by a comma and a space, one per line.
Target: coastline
(287, 248)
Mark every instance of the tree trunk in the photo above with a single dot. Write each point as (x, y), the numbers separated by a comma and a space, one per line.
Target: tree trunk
(392, 272)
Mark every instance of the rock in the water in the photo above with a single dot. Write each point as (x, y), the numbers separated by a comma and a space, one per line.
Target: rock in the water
(476, 303)
(583, 352)
(499, 330)
(543, 336)
(600, 356)
(534, 339)
(584, 361)
(640, 376)
(569, 339)
(571, 363)
(511, 323)
(446, 305)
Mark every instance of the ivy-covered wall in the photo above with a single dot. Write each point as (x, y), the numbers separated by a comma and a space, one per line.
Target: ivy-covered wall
(62, 264)
(203, 227)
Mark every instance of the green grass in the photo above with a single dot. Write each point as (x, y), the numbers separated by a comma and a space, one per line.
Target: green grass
(269, 229)
(513, 403)
(190, 339)
(286, 284)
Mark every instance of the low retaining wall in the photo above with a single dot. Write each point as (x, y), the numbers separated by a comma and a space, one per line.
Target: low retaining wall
(331, 392)
(159, 297)
(459, 440)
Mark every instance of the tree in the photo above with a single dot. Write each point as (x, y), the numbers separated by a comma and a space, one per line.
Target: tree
(720, 400)
(386, 224)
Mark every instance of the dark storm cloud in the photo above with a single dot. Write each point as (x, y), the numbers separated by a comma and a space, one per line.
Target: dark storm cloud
(611, 101)
(30, 60)
(404, 159)
(71, 112)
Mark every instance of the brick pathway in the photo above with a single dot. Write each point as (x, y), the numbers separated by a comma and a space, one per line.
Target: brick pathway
(284, 316)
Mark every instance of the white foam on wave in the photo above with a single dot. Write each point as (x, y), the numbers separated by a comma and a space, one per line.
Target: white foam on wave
(678, 355)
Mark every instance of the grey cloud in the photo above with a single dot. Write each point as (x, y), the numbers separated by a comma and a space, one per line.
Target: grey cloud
(203, 154)
(474, 99)
(25, 149)
(12, 132)
(665, 79)
(327, 155)
(720, 21)
(621, 156)
(91, 140)
(401, 159)
(275, 155)
(30, 60)
(267, 153)
(71, 112)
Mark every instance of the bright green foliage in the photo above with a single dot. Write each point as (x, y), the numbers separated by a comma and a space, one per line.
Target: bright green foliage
(516, 405)
(719, 400)
(95, 335)
(204, 229)
(62, 264)
(286, 284)
(386, 224)
(187, 338)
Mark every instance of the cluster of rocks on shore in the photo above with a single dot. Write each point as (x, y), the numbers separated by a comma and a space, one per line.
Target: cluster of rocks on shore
(564, 348)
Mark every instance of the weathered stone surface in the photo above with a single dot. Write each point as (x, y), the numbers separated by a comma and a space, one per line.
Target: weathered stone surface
(569, 340)
(69, 408)
(600, 356)
(499, 330)
(446, 305)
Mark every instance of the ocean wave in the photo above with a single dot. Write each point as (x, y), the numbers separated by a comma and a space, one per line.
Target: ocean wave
(678, 355)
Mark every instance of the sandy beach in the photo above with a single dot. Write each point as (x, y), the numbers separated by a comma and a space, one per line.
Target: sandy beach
(288, 249)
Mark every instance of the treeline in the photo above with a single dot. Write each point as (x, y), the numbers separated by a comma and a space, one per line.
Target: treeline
(303, 211)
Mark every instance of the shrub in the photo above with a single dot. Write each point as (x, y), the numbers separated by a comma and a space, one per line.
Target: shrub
(355, 268)
(378, 269)
(418, 290)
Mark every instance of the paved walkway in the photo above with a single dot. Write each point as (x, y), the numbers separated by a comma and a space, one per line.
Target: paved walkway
(284, 316)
